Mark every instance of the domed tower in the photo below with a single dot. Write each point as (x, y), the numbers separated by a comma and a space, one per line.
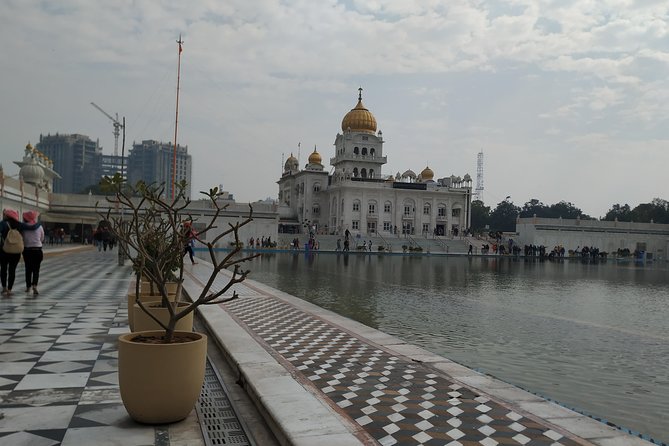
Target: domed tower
(359, 119)
(359, 150)
(427, 175)
(292, 165)
(315, 161)
(37, 169)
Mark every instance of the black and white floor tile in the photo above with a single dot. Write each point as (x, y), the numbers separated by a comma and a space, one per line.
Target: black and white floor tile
(398, 402)
(58, 374)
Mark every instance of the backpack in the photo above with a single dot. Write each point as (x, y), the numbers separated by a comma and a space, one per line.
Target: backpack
(13, 243)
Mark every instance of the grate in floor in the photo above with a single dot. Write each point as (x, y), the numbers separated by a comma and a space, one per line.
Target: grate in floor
(220, 425)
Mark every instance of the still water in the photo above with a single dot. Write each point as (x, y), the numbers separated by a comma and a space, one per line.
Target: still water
(594, 337)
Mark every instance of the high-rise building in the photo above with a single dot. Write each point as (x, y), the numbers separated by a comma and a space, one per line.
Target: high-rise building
(111, 164)
(75, 157)
(151, 161)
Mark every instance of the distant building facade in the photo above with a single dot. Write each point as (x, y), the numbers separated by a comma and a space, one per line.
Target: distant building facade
(607, 236)
(151, 161)
(359, 198)
(112, 164)
(75, 157)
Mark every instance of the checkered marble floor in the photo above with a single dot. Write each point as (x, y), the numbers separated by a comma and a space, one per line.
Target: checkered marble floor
(58, 369)
(398, 402)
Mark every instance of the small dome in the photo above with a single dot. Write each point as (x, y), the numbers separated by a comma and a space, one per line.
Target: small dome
(359, 119)
(291, 164)
(315, 157)
(29, 147)
(467, 177)
(409, 174)
(32, 173)
(427, 174)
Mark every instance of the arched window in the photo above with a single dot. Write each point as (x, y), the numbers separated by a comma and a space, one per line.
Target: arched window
(387, 207)
(356, 150)
(371, 207)
(363, 172)
(316, 209)
(372, 151)
(364, 150)
(409, 208)
(371, 173)
(317, 187)
(441, 211)
(356, 205)
(426, 208)
(355, 172)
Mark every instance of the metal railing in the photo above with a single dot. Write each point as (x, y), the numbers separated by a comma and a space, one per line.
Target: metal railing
(388, 247)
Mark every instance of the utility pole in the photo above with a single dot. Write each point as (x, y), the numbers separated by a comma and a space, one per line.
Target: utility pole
(176, 119)
(478, 193)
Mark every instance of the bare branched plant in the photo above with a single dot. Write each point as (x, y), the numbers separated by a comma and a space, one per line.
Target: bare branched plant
(152, 232)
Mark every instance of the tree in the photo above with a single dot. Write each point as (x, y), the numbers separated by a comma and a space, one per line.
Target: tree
(480, 216)
(534, 207)
(565, 209)
(503, 218)
(656, 211)
(619, 212)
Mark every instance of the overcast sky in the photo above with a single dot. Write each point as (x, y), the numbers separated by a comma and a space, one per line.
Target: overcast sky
(567, 99)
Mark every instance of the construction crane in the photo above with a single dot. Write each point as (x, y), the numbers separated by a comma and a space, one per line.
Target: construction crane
(117, 126)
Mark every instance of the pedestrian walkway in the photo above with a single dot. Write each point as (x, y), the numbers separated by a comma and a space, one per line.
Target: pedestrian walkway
(58, 350)
(317, 377)
(383, 390)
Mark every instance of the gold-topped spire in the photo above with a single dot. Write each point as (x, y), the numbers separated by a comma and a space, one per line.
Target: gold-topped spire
(315, 157)
(359, 119)
(427, 174)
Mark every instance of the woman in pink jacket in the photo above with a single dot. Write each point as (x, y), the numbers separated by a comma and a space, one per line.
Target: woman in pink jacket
(32, 250)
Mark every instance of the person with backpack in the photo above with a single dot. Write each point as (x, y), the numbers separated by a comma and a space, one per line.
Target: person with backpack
(32, 252)
(189, 242)
(10, 248)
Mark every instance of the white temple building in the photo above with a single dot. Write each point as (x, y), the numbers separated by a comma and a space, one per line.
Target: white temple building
(357, 195)
(37, 169)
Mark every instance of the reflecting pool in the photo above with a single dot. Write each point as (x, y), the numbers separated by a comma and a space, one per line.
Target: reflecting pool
(594, 337)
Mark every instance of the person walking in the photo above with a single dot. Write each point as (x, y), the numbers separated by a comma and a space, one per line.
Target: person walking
(9, 255)
(190, 235)
(32, 251)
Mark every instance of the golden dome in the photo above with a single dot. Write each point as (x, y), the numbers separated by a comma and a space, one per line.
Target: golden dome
(315, 157)
(427, 174)
(359, 119)
(29, 147)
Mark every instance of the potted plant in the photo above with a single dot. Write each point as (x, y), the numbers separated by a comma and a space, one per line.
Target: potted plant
(161, 371)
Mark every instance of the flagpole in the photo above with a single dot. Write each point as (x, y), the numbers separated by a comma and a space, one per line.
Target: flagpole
(176, 119)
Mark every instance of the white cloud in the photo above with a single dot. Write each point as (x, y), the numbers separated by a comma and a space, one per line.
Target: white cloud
(443, 78)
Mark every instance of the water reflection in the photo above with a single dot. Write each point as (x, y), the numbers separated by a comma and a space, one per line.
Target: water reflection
(591, 335)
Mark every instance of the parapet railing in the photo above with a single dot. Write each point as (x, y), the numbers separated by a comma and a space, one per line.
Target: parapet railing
(385, 242)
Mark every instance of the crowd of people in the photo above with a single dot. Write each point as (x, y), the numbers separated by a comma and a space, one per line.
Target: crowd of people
(261, 242)
(103, 237)
(20, 238)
